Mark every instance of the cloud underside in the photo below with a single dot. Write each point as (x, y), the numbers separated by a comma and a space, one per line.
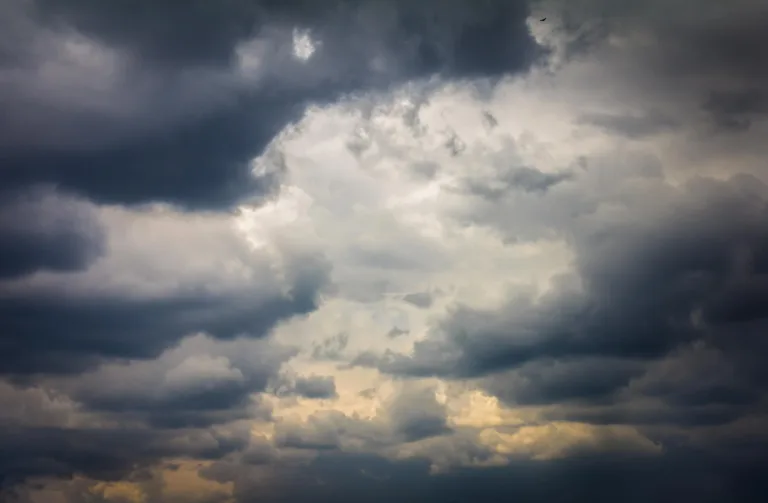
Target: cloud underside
(377, 250)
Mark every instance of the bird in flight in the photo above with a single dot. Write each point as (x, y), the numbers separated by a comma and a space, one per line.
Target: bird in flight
(543, 19)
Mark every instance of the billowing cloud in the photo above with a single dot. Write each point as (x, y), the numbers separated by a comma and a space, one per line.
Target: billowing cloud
(166, 275)
(382, 250)
(41, 230)
(128, 104)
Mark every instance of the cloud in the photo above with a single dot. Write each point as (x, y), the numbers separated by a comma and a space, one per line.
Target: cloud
(312, 387)
(167, 275)
(367, 478)
(107, 454)
(690, 274)
(419, 299)
(43, 230)
(344, 251)
(591, 380)
(316, 387)
(171, 104)
(633, 126)
(416, 414)
(200, 382)
(681, 261)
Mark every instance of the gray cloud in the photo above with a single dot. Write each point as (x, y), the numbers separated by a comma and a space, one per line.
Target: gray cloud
(632, 126)
(333, 477)
(416, 414)
(125, 328)
(522, 178)
(710, 53)
(419, 299)
(164, 277)
(170, 117)
(590, 380)
(314, 387)
(127, 345)
(735, 110)
(413, 414)
(40, 230)
(198, 383)
(691, 272)
(107, 454)
(331, 430)
(331, 348)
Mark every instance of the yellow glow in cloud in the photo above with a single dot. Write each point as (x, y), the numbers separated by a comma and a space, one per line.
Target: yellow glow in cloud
(560, 439)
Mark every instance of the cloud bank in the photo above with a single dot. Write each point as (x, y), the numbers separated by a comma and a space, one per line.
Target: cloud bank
(361, 251)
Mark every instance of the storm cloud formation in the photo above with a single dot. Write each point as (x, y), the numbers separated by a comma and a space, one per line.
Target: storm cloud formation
(152, 101)
(381, 250)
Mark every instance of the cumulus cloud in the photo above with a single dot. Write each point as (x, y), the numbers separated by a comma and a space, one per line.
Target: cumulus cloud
(382, 250)
(166, 275)
(174, 110)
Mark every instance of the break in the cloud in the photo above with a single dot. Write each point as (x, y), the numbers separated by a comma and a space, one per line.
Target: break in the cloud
(376, 250)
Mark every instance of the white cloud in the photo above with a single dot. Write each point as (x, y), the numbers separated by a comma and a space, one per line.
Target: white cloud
(303, 44)
(375, 183)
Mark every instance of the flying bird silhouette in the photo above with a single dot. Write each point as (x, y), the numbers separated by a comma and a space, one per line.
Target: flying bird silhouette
(543, 19)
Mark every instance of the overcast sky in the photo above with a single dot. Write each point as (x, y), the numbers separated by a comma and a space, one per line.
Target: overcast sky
(383, 250)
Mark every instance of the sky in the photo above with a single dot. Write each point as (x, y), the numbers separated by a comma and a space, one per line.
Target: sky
(383, 250)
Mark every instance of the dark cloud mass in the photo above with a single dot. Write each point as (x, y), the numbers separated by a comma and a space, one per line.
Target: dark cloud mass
(107, 454)
(156, 348)
(131, 102)
(690, 273)
(369, 479)
(40, 231)
(125, 328)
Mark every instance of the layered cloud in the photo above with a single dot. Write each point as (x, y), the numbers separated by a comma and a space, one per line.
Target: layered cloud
(376, 250)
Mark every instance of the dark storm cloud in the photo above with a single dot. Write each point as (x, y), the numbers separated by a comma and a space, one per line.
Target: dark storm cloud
(712, 53)
(202, 32)
(41, 231)
(694, 271)
(428, 36)
(105, 453)
(590, 380)
(203, 164)
(735, 110)
(696, 386)
(200, 382)
(148, 104)
(56, 335)
(727, 52)
(128, 102)
(663, 329)
(607, 478)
